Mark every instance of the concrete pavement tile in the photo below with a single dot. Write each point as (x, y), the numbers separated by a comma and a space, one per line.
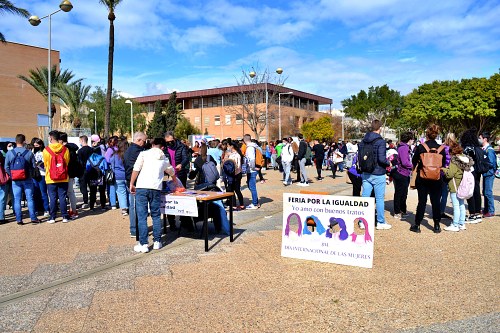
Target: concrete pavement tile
(12, 284)
(73, 296)
(23, 315)
(67, 321)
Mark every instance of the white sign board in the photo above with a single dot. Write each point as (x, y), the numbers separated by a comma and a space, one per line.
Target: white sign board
(326, 228)
(178, 205)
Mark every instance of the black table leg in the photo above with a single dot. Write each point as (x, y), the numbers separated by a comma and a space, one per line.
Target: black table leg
(233, 202)
(205, 223)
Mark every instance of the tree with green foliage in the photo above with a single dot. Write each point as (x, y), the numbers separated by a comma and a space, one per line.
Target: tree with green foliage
(8, 7)
(171, 114)
(74, 95)
(158, 125)
(320, 129)
(184, 128)
(380, 103)
(455, 105)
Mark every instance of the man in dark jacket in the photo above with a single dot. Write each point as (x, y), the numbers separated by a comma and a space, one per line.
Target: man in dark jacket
(178, 155)
(301, 157)
(129, 159)
(83, 155)
(376, 179)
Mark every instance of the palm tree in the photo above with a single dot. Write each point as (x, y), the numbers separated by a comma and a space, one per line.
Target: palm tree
(8, 7)
(38, 79)
(74, 96)
(110, 5)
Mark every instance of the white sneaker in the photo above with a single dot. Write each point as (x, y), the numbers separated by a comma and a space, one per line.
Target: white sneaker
(141, 248)
(462, 227)
(65, 220)
(452, 227)
(252, 206)
(46, 214)
(157, 245)
(52, 221)
(397, 216)
(383, 226)
(473, 219)
(84, 206)
(113, 208)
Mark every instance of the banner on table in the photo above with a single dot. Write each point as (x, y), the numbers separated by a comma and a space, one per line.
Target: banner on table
(327, 228)
(178, 205)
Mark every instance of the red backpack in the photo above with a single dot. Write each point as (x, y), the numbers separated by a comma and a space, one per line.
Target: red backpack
(58, 169)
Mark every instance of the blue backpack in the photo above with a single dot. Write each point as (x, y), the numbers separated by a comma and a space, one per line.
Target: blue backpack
(19, 166)
(210, 172)
(229, 168)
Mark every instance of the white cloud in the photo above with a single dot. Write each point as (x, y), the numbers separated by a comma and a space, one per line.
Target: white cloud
(197, 38)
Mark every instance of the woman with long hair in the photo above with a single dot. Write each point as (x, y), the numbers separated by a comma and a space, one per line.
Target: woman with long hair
(449, 140)
(428, 187)
(234, 181)
(40, 187)
(401, 175)
(116, 163)
(469, 142)
(112, 147)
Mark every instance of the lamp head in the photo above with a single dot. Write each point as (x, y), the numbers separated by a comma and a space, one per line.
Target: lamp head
(128, 101)
(66, 6)
(252, 74)
(91, 110)
(34, 20)
(279, 70)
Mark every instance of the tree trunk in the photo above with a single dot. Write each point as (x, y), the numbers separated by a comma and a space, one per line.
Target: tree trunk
(109, 92)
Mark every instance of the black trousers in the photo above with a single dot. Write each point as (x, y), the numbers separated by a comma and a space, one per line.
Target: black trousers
(319, 166)
(93, 195)
(334, 168)
(474, 203)
(357, 182)
(82, 182)
(401, 184)
(235, 187)
(431, 188)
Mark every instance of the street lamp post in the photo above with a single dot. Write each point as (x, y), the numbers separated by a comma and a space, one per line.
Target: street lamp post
(252, 74)
(95, 120)
(279, 111)
(128, 101)
(34, 20)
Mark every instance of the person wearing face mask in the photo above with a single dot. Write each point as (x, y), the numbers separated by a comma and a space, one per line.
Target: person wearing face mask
(40, 190)
(488, 176)
(178, 155)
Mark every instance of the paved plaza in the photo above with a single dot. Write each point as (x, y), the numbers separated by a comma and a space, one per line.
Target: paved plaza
(83, 276)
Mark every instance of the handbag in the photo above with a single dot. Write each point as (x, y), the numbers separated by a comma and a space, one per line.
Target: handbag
(109, 176)
(413, 179)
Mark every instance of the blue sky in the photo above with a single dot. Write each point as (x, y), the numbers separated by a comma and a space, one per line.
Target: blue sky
(326, 47)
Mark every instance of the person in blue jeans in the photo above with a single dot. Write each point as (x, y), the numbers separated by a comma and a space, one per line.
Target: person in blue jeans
(3, 191)
(129, 158)
(252, 171)
(149, 169)
(376, 179)
(116, 163)
(21, 183)
(488, 177)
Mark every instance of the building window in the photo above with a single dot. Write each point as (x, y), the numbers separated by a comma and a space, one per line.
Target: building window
(207, 120)
(228, 119)
(197, 121)
(239, 119)
(151, 107)
(196, 103)
(217, 120)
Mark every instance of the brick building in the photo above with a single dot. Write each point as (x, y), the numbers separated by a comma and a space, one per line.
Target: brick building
(220, 111)
(19, 102)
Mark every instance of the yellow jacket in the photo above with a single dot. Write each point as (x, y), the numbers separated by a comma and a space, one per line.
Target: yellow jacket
(47, 158)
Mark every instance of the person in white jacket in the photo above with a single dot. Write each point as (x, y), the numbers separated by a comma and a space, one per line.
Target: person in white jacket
(286, 160)
(149, 169)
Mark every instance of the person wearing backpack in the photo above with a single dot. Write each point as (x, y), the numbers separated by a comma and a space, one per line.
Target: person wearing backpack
(75, 170)
(94, 173)
(459, 165)
(56, 160)
(488, 176)
(235, 175)
(470, 143)
(19, 165)
(448, 141)
(252, 170)
(429, 182)
(401, 175)
(116, 164)
(372, 163)
(205, 168)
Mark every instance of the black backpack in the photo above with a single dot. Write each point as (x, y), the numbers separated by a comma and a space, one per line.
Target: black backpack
(481, 162)
(367, 159)
(75, 168)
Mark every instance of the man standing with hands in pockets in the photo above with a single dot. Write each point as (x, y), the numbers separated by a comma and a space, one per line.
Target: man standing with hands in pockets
(149, 170)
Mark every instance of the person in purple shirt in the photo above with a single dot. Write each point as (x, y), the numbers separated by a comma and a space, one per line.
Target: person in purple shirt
(111, 151)
(401, 175)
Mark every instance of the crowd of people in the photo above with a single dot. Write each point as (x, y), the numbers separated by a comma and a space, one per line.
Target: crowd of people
(130, 176)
